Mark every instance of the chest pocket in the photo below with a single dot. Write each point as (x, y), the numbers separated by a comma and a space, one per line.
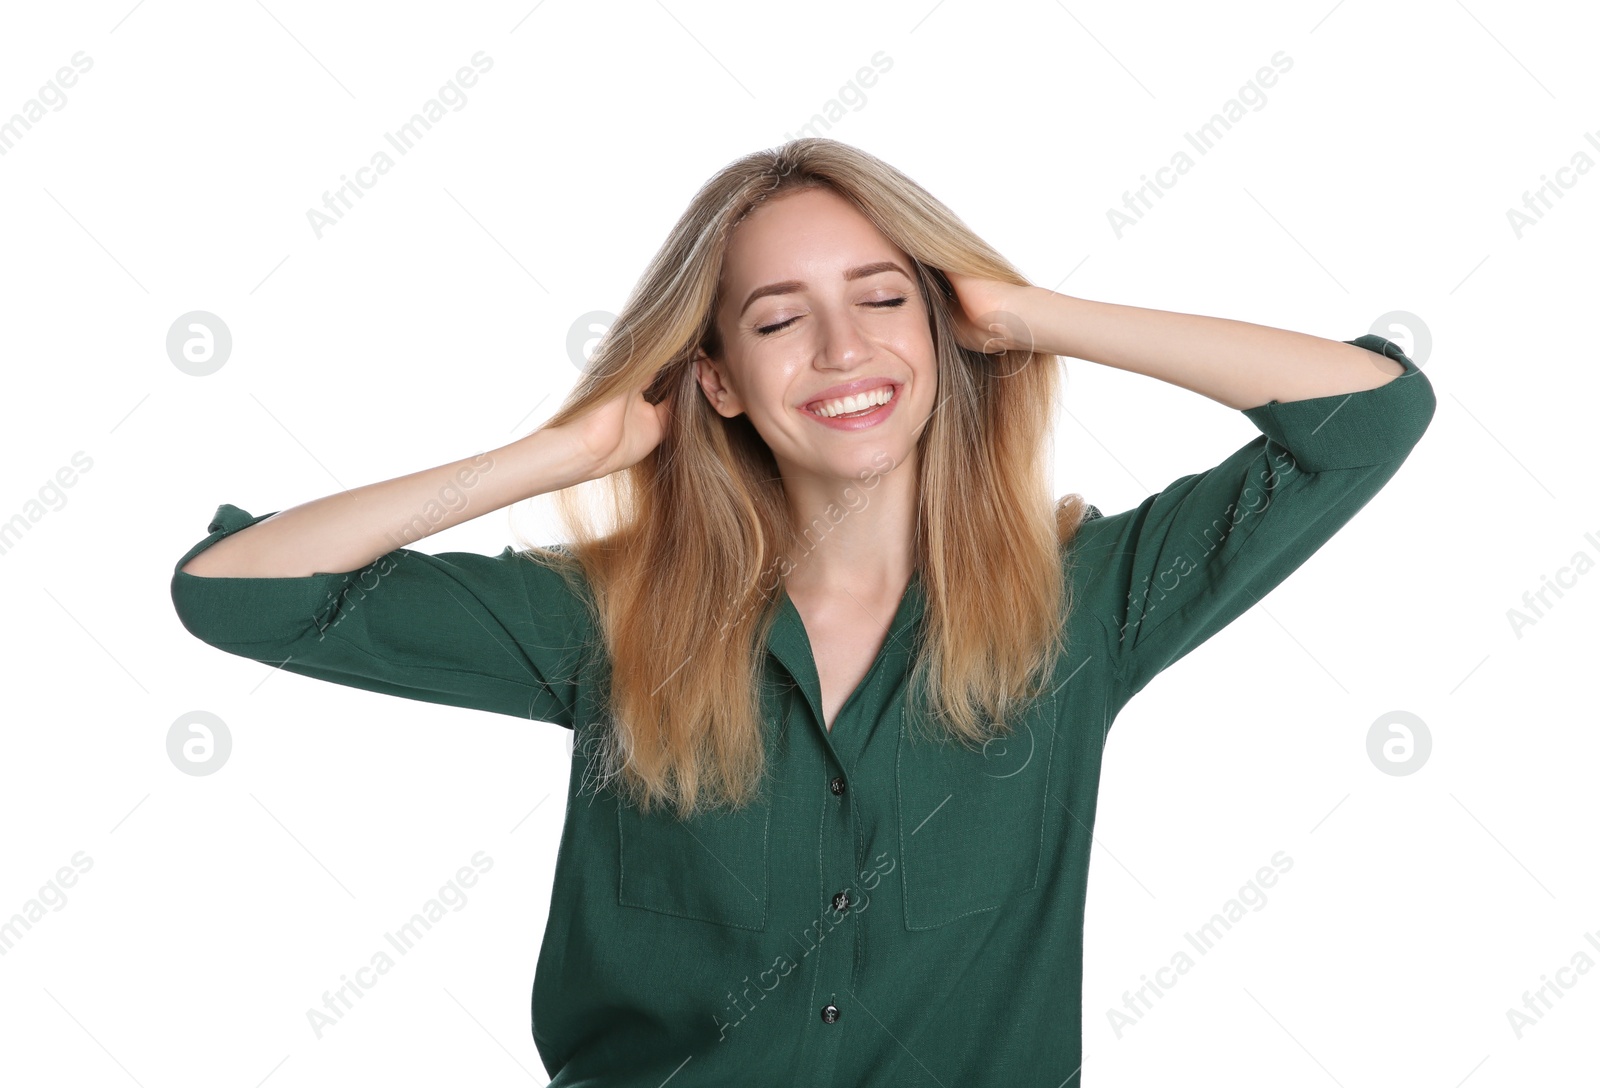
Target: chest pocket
(972, 822)
(713, 866)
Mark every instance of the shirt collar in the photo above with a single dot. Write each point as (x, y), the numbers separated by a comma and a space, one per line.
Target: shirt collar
(788, 642)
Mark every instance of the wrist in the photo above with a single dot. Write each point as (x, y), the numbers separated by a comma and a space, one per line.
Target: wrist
(1047, 317)
(553, 459)
(1023, 307)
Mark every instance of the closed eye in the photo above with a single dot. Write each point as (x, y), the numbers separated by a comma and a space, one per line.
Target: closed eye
(768, 330)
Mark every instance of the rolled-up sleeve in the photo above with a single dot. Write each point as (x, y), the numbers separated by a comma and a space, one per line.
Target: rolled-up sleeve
(1171, 572)
(501, 633)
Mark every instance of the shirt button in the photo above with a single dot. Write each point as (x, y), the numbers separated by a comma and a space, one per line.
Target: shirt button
(841, 901)
(830, 1013)
(837, 786)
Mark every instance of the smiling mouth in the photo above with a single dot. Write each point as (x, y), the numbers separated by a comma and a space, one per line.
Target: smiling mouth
(853, 407)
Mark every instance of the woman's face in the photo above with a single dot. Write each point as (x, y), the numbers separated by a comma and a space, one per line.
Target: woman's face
(814, 298)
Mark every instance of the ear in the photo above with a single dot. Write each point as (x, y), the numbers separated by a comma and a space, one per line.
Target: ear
(713, 379)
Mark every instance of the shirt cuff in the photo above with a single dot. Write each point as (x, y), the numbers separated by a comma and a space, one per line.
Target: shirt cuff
(251, 610)
(1353, 430)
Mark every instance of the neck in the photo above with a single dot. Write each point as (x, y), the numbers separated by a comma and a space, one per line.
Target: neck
(853, 536)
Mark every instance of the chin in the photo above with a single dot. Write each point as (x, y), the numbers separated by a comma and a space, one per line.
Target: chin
(868, 462)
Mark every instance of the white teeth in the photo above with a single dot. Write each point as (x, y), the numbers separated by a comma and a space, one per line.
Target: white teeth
(846, 405)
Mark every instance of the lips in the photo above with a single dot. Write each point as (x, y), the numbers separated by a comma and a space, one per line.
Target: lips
(858, 402)
(848, 389)
(866, 420)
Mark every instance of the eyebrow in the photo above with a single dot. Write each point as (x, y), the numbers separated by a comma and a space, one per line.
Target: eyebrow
(790, 286)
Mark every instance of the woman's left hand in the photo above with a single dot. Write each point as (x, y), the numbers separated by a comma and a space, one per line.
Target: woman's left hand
(985, 314)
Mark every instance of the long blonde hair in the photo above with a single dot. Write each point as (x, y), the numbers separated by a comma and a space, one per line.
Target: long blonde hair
(680, 581)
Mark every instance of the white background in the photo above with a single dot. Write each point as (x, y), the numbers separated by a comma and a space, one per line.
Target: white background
(429, 322)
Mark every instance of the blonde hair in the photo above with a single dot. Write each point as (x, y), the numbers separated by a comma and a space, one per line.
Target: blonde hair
(698, 524)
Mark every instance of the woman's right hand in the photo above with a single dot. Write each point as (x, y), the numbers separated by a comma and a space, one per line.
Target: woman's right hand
(348, 530)
(619, 433)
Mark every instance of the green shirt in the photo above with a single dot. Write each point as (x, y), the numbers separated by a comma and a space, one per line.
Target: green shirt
(895, 913)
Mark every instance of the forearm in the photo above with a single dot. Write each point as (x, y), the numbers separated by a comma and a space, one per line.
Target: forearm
(348, 530)
(1237, 363)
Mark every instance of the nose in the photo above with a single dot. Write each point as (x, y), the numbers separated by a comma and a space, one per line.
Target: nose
(843, 345)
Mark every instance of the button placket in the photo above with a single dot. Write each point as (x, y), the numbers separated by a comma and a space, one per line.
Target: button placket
(833, 945)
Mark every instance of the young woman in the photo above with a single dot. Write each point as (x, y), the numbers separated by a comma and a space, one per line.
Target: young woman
(839, 669)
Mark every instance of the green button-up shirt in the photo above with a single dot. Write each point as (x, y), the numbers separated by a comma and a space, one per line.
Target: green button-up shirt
(894, 912)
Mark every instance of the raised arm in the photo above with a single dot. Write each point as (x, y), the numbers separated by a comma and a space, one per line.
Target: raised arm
(1233, 362)
(1336, 420)
(348, 530)
(325, 589)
